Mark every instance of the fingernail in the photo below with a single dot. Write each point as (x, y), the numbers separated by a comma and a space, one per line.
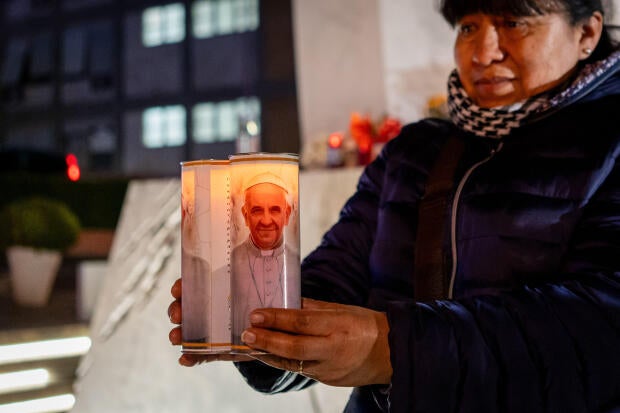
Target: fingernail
(248, 337)
(257, 318)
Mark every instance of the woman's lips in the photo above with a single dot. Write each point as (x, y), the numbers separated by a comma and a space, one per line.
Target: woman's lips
(493, 85)
(495, 80)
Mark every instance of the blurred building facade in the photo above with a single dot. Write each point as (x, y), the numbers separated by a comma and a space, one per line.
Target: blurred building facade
(132, 87)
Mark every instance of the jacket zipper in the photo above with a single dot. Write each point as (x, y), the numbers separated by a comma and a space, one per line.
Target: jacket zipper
(455, 202)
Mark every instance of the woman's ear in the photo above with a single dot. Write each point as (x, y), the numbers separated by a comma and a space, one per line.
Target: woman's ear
(591, 30)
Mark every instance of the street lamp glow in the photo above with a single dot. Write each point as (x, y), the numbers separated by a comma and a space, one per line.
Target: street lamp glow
(43, 350)
(23, 380)
(54, 404)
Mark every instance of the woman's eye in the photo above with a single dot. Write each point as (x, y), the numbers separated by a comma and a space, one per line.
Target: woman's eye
(512, 24)
(466, 28)
(521, 24)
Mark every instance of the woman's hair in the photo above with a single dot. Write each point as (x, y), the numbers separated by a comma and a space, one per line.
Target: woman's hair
(576, 10)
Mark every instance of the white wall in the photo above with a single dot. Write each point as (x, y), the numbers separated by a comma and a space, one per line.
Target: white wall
(613, 12)
(417, 55)
(369, 56)
(338, 62)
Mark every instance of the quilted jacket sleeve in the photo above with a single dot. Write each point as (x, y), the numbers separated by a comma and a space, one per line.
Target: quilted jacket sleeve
(552, 347)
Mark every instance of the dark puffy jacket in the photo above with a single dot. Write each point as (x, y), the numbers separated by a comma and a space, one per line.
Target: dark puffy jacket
(533, 323)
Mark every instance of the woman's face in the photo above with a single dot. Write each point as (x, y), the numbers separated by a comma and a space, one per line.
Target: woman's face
(502, 60)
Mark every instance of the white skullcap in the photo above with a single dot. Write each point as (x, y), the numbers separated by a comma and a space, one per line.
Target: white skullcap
(265, 178)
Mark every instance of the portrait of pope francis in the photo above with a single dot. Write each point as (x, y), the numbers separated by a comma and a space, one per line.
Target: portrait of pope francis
(264, 268)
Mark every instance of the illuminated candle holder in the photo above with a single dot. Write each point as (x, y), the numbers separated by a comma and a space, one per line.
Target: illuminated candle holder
(240, 246)
(205, 261)
(265, 264)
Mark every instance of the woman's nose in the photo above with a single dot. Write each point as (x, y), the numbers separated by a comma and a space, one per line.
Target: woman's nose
(487, 48)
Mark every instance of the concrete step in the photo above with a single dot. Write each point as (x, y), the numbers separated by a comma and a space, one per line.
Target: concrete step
(61, 370)
(54, 389)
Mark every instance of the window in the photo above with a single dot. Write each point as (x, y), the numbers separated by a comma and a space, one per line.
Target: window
(218, 17)
(41, 58)
(163, 126)
(74, 51)
(221, 122)
(101, 56)
(28, 64)
(87, 53)
(14, 60)
(163, 25)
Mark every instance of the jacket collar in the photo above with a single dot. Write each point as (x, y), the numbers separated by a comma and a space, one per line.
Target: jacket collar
(586, 86)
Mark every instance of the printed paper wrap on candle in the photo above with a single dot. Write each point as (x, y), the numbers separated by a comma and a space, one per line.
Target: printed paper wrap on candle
(205, 262)
(265, 265)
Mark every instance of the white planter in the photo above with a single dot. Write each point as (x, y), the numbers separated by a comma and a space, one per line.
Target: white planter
(33, 272)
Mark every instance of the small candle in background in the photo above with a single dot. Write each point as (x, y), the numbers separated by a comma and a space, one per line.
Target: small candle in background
(334, 150)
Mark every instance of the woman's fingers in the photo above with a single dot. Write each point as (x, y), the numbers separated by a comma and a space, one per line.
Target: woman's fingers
(175, 336)
(175, 313)
(174, 309)
(176, 289)
(317, 318)
(288, 346)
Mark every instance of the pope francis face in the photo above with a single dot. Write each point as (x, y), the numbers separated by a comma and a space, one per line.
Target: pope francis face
(266, 213)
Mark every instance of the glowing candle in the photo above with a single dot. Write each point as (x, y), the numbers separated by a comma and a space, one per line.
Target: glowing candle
(205, 265)
(240, 245)
(265, 236)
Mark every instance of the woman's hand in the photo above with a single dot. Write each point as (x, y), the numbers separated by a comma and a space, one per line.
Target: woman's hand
(339, 345)
(188, 360)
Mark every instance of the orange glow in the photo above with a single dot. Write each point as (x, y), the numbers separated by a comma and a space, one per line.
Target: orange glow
(73, 172)
(335, 140)
(364, 146)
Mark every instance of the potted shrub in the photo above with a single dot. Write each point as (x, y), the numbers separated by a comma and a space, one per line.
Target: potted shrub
(35, 231)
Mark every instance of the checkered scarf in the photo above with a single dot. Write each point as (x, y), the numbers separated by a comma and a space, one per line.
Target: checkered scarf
(499, 122)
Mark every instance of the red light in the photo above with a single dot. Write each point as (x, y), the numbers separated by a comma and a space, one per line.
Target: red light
(73, 169)
(73, 172)
(71, 159)
(335, 140)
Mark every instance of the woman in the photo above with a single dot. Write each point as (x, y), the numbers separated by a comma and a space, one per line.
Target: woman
(527, 318)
